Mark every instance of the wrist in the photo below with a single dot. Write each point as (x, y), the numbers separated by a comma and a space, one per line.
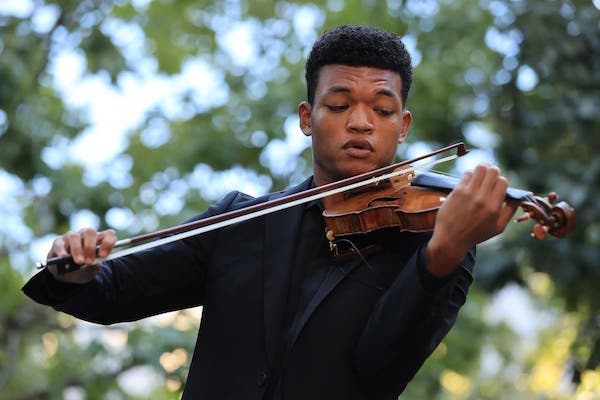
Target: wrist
(442, 260)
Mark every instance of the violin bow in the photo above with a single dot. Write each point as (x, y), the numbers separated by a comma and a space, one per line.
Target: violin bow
(193, 228)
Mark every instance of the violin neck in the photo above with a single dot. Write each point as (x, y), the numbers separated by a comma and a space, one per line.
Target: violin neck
(446, 182)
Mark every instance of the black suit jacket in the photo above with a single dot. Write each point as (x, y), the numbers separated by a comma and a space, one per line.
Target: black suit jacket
(363, 335)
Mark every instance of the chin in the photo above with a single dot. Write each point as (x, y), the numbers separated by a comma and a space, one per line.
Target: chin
(353, 171)
(339, 170)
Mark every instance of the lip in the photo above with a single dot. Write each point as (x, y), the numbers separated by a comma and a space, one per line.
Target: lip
(358, 148)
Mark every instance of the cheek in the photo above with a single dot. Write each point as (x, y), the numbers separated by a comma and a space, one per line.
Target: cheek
(390, 153)
(389, 144)
(397, 124)
(322, 123)
(326, 131)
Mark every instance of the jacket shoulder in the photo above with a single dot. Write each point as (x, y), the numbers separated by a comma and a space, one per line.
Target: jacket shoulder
(235, 200)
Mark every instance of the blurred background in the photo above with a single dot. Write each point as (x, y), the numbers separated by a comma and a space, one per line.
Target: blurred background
(136, 115)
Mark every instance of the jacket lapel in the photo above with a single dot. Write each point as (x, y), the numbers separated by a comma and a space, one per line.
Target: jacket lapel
(334, 276)
(281, 231)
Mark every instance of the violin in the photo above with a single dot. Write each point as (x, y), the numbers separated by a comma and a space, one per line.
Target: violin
(410, 201)
(393, 196)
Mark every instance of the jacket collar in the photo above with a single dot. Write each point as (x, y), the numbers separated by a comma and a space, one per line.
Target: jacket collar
(281, 231)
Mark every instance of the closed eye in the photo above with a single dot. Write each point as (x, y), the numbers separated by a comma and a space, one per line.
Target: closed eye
(337, 108)
(385, 113)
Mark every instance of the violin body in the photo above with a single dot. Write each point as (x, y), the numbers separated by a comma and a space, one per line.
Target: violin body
(388, 204)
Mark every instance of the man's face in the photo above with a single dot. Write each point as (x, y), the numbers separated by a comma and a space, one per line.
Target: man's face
(356, 121)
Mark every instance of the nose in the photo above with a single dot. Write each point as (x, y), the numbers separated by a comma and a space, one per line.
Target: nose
(359, 121)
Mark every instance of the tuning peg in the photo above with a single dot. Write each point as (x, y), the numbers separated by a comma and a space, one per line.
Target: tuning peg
(523, 217)
(539, 231)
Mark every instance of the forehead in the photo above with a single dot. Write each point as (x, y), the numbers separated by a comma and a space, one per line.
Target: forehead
(357, 78)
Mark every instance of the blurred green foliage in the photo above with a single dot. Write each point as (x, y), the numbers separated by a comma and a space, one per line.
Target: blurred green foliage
(517, 80)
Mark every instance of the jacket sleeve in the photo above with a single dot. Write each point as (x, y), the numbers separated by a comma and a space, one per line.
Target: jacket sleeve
(166, 278)
(409, 321)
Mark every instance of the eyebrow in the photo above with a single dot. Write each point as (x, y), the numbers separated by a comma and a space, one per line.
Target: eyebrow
(345, 89)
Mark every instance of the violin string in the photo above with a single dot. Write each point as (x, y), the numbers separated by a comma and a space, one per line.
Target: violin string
(442, 173)
(256, 214)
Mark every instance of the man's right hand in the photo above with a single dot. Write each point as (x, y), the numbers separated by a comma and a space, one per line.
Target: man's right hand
(83, 246)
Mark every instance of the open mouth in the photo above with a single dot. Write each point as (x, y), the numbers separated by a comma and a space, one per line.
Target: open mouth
(358, 148)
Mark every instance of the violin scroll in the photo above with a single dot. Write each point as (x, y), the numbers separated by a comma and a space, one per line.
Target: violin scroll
(556, 219)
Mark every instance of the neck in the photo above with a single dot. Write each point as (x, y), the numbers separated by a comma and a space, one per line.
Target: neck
(329, 200)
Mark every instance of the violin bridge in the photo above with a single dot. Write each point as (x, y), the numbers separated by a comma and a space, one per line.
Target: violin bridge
(404, 179)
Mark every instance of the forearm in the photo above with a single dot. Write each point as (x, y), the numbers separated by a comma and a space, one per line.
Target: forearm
(165, 278)
(126, 289)
(408, 323)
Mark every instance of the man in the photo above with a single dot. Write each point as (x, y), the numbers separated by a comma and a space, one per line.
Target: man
(283, 318)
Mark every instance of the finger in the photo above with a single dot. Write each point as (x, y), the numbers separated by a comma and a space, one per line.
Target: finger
(509, 209)
(489, 175)
(467, 177)
(59, 248)
(500, 187)
(89, 241)
(464, 182)
(481, 169)
(106, 241)
(474, 178)
(75, 247)
(495, 189)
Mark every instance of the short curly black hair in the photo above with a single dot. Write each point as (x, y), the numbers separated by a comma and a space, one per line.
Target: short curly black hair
(359, 46)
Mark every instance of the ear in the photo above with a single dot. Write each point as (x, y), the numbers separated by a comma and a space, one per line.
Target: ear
(304, 112)
(406, 121)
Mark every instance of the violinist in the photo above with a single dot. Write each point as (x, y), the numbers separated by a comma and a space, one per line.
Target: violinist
(283, 317)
